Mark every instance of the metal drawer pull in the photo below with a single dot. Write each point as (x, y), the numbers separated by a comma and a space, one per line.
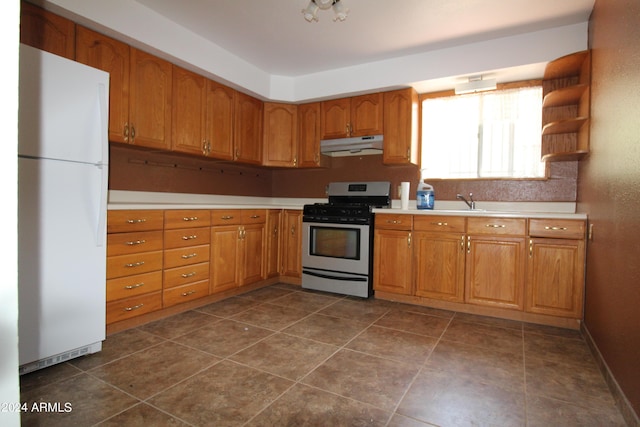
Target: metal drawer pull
(136, 221)
(190, 218)
(137, 285)
(187, 256)
(135, 307)
(193, 236)
(135, 264)
(440, 223)
(187, 275)
(136, 242)
(254, 216)
(186, 294)
(227, 217)
(395, 221)
(556, 228)
(495, 225)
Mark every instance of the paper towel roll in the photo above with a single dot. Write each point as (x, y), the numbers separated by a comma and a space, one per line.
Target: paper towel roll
(404, 195)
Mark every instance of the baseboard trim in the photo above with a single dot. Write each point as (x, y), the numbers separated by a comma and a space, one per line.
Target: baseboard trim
(623, 404)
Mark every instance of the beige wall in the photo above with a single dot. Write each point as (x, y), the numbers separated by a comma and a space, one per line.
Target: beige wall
(609, 191)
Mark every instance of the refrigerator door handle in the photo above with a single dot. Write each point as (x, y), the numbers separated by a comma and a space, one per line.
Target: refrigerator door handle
(103, 165)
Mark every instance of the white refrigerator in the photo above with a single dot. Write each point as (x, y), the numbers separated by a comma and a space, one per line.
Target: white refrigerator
(62, 207)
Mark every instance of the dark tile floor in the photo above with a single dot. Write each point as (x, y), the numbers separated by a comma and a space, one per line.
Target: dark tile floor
(282, 356)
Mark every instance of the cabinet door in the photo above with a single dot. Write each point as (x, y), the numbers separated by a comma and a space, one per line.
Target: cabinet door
(225, 253)
(188, 112)
(555, 277)
(252, 253)
(335, 118)
(150, 102)
(392, 261)
(112, 56)
(440, 265)
(366, 115)
(272, 234)
(219, 120)
(280, 137)
(309, 135)
(495, 271)
(400, 127)
(292, 243)
(46, 31)
(248, 129)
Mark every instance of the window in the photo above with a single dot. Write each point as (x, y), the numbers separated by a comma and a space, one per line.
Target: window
(483, 135)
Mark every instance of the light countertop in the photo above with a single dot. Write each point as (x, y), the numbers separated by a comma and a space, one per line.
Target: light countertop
(158, 200)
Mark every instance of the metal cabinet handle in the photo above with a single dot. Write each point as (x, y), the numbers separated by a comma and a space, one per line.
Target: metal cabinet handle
(394, 221)
(530, 248)
(468, 244)
(125, 132)
(136, 242)
(254, 216)
(134, 264)
(190, 218)
(187, 275)
(226, 217)
(495, 225)
(462, 243)
(186, 294)
(191, 237)
(187, 256)
(135, 307)
(135, 286)
(136, 221)
(555, 228)
(440, 224)
(409, 240)
(293, 230)
(133, 132)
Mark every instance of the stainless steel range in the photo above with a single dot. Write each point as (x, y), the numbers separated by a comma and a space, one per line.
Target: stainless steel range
(337, 238)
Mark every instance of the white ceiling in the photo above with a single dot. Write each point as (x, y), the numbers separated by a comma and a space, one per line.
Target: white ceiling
(274, 37)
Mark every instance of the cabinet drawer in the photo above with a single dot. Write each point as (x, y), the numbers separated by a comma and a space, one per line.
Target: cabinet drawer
(129, 286)
(185, 293)
(557, 228)
(126, 265)
(129, 243)
(134, 220)
(487, 225)
(135, 306)
(394, 221)
(454, 224)
(186, 256)
(186, 218)
(226, 216)
(253, 216)
(186, 237)
(183, 275)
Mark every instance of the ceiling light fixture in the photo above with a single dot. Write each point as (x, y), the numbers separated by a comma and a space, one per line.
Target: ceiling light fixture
(310, 12)
(475, 84)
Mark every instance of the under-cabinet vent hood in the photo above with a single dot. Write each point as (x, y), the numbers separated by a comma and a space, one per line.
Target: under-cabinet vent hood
(361, 145)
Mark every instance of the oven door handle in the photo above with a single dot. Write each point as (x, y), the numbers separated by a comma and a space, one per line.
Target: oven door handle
(327, 276)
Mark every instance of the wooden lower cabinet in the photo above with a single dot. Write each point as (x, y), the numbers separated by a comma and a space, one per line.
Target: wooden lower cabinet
(439, 253)
(291, 255)
(393, 254)
(555, 268)
(225, 253)
(272, 246)
(134, 263)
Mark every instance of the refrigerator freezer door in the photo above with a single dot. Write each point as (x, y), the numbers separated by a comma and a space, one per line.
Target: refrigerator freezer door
(63, 108)
(61, 258)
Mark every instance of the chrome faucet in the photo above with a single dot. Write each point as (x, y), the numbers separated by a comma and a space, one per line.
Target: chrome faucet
(471, 203)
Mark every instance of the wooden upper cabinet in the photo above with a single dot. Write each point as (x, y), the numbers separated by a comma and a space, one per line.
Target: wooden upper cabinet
(280, 137)
(47, 31)
(336, 117)
(219, 120)
(401, 140)
(356, 116)
(309, 135)
(367, 115)
(248, 129)
(112, 56)
(188, 112)
(150, 102)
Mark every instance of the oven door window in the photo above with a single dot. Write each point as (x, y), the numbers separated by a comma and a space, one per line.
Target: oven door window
(335, 242)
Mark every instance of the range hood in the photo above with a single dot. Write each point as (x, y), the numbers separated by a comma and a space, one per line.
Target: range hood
(357, 146)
